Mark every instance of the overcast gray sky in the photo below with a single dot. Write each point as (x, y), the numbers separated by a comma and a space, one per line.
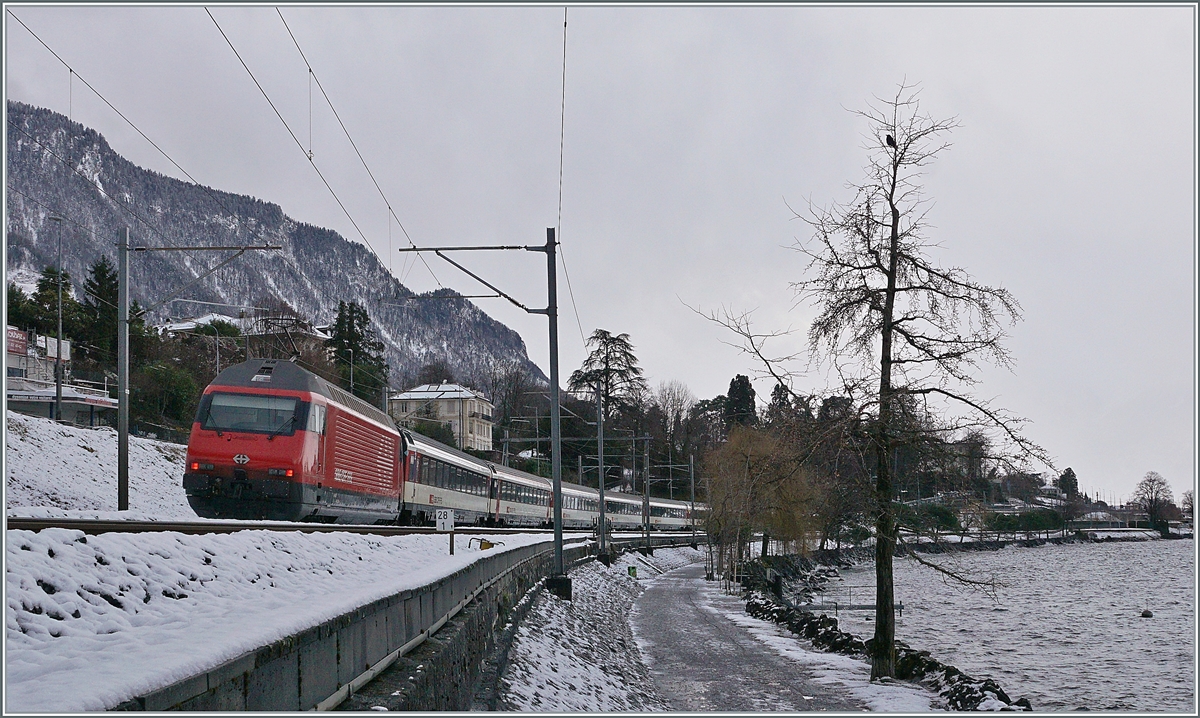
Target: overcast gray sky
(1071, 181)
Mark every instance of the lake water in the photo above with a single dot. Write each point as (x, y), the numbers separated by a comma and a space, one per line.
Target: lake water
(1064, 629)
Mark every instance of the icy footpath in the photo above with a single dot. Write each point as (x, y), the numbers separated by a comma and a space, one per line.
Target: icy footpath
(580, 655)
(91, 621)
(58, 471)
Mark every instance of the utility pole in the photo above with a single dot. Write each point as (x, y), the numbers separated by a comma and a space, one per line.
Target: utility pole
(646, 493)
(58, 338)
(559, 583)
(692, 481)
(123, 249)
(600, 460)
(123, 371)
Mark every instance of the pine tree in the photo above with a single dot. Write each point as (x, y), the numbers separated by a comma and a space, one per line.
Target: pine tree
(357, 353)
(1068, 483)
(22, 313)
(739, 403)
(100, 312)
(612, 369)
(45, 300)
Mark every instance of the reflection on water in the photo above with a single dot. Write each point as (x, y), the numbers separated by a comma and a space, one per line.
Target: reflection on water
(1064, 628)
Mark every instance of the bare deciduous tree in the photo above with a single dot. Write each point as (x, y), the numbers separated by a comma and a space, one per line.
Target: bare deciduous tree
(1154, 495)
(903, 333)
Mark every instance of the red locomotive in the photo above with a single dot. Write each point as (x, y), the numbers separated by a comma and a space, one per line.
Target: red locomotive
(274, 441)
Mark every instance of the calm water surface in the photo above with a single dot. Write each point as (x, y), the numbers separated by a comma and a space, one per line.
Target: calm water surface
(1064, 629)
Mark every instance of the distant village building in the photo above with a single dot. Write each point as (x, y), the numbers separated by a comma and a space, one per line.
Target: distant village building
(467, 411)
(191, 324)
(29, 381)
(264, 333)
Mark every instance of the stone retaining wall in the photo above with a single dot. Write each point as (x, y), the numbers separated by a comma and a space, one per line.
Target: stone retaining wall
(325, 665)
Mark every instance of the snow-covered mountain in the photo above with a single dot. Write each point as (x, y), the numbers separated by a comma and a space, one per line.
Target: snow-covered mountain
(316, 268)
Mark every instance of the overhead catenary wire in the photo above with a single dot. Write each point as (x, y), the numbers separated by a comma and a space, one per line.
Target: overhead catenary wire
(562, 131)
(236, 218)
(295, 139)
(314, 78)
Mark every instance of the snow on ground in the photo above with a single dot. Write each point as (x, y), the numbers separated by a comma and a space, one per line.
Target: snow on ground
(580, 655)
(59, 471)
(91, 621)
(833, 669)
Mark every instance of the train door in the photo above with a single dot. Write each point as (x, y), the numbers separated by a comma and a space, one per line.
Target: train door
(403, 470)
(316, 425)
(493, 494)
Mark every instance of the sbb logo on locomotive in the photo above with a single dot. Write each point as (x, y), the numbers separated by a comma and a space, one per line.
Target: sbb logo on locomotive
(241, 459)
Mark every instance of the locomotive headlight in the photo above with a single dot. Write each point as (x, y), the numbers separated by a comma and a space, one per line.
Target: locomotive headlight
(197, 466)
(281, 472)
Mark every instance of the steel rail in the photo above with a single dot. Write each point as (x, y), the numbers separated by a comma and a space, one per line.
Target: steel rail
(99, 526)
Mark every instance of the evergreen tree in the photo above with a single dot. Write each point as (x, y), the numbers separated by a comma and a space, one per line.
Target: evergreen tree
(739, 402)
(45, 300)
(22, 312)
(100, 312)
(357, 353)
(612, 368)
(783, 409)
(1068, 483)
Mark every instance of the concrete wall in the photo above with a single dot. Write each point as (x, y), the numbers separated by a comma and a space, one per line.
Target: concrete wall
(324, 665)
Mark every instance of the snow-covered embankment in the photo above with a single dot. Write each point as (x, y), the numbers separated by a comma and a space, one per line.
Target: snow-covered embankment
(580, 655)
(56, 470)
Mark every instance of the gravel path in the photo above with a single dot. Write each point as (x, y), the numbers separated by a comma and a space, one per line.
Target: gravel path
(700, 660)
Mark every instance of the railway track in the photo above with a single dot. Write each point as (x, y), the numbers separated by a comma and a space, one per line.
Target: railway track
(99, 526)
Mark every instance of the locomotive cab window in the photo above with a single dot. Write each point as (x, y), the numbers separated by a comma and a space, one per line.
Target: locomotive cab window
(255, 413)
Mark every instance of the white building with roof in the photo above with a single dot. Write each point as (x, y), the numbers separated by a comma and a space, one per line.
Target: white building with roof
(467, 411)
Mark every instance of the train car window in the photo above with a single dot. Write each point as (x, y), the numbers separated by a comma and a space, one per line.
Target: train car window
(443, 474)
(316, 419)
(256, 413)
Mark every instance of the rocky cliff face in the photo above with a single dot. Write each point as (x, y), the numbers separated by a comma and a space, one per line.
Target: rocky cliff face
(58, 166)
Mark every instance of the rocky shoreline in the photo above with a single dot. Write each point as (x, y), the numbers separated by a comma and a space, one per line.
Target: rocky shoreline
(960, 691)
(806, 576)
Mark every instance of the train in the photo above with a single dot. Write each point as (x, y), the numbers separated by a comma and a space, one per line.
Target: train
(273, 441)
